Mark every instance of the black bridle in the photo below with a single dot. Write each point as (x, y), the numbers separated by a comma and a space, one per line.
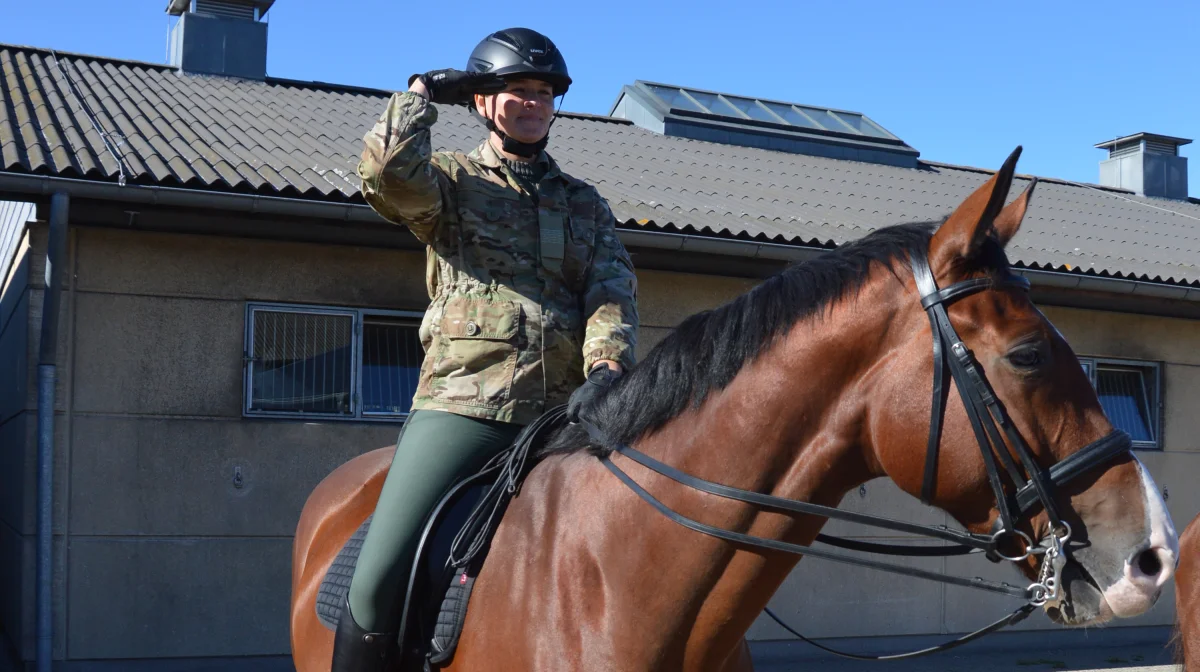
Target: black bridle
(990, 423)
(988, 417)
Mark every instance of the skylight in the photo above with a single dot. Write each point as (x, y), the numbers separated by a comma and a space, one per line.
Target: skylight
(742, 108)
(755, 122)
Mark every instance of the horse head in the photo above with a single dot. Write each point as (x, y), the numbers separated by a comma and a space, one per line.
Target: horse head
(1122, 546)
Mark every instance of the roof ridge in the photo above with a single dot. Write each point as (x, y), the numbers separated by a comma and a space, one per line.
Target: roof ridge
(280, 81)
(1025, 176)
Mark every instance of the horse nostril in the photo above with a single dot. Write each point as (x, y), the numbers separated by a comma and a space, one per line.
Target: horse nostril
(1149, 563)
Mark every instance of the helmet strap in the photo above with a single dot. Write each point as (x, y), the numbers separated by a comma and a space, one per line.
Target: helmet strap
(513, 146)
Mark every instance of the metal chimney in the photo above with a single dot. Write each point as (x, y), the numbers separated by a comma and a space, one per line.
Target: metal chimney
(220, 37)
(1146, 163)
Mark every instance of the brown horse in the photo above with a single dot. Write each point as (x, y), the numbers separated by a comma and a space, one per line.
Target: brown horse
(812, 383)
(1187, 597)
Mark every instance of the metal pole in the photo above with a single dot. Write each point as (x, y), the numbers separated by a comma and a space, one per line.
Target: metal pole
(47, 361)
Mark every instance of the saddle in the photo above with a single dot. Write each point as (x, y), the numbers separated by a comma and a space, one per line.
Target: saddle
(453, 546)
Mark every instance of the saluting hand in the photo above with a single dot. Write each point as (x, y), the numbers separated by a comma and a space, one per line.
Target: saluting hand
(454, 87)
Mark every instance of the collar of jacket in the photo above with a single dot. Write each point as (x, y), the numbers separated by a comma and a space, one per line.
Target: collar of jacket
(487, 155)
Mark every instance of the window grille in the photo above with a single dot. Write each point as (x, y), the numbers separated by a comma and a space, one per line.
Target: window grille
(1130, 393)
(313, 362)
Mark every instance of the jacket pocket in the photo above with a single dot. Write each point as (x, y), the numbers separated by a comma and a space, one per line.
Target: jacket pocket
(476, 364)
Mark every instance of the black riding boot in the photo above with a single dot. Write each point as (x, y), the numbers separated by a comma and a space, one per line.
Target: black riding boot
(356, 650)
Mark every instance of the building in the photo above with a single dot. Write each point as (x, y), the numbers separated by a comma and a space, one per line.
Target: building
(206, 209)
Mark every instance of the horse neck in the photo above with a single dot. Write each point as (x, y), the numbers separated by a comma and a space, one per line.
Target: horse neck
(792, 419)
(789, 424)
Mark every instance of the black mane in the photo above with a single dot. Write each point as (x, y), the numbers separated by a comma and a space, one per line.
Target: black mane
(708, 349)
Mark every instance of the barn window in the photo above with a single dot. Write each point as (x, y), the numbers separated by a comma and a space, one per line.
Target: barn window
(391, 360)
(1130, 392)
(318, 362)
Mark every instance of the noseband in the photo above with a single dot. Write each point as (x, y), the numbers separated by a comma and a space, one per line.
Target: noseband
(991, 425)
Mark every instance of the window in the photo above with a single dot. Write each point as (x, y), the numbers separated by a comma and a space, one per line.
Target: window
(675, 98)
(1130, 393)
(751, 108)
(315, 362)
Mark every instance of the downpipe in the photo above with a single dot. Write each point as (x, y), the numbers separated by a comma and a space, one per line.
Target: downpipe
(47, 375)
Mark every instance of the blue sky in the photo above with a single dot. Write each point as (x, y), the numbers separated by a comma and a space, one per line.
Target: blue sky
(963, 82)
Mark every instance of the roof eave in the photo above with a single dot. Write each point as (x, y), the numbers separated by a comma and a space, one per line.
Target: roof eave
(44, 185)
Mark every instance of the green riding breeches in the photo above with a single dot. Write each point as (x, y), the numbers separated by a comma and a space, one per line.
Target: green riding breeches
(434, 451)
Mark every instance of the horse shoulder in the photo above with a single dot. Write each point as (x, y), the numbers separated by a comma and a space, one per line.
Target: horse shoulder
(521, 586)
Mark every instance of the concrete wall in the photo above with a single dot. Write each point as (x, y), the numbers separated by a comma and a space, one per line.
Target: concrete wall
(14, 336)
(22, 287)
(166, 556)
(159, 531)
(161, 555)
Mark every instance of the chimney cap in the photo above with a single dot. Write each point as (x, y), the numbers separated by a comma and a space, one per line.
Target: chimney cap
(177, 7)
(1139, 137)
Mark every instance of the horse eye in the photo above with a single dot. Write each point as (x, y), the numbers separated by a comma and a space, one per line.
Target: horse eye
(1028, 357)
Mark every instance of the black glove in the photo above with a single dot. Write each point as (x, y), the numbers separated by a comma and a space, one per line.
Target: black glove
(598, 380)
(455, 87)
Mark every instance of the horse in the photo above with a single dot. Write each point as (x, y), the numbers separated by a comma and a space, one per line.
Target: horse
(808, 385)
(1187, 598)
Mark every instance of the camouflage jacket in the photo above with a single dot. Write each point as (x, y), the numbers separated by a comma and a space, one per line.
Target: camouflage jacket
(527, 290)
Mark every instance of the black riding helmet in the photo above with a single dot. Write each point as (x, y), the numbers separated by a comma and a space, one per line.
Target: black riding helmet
(526, 54)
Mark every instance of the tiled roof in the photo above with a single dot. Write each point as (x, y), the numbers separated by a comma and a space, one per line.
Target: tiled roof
(67, 115)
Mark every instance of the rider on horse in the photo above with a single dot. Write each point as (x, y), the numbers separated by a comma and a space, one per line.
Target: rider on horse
(530, 291)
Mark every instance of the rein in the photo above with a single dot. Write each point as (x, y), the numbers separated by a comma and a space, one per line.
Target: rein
(990, 424)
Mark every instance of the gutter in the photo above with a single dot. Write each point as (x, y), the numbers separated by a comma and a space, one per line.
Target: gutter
(185, 198)
(686, 242)
(682, 242)
(47, 370)
(352, 212)
(1094, 283)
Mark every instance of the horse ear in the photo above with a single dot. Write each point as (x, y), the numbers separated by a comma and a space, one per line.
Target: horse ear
(1009, 219)
(963, 233)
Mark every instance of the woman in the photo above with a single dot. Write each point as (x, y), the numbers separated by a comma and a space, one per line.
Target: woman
(530, 290)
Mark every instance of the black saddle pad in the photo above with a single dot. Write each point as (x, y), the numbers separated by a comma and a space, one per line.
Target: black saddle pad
(335, 585)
